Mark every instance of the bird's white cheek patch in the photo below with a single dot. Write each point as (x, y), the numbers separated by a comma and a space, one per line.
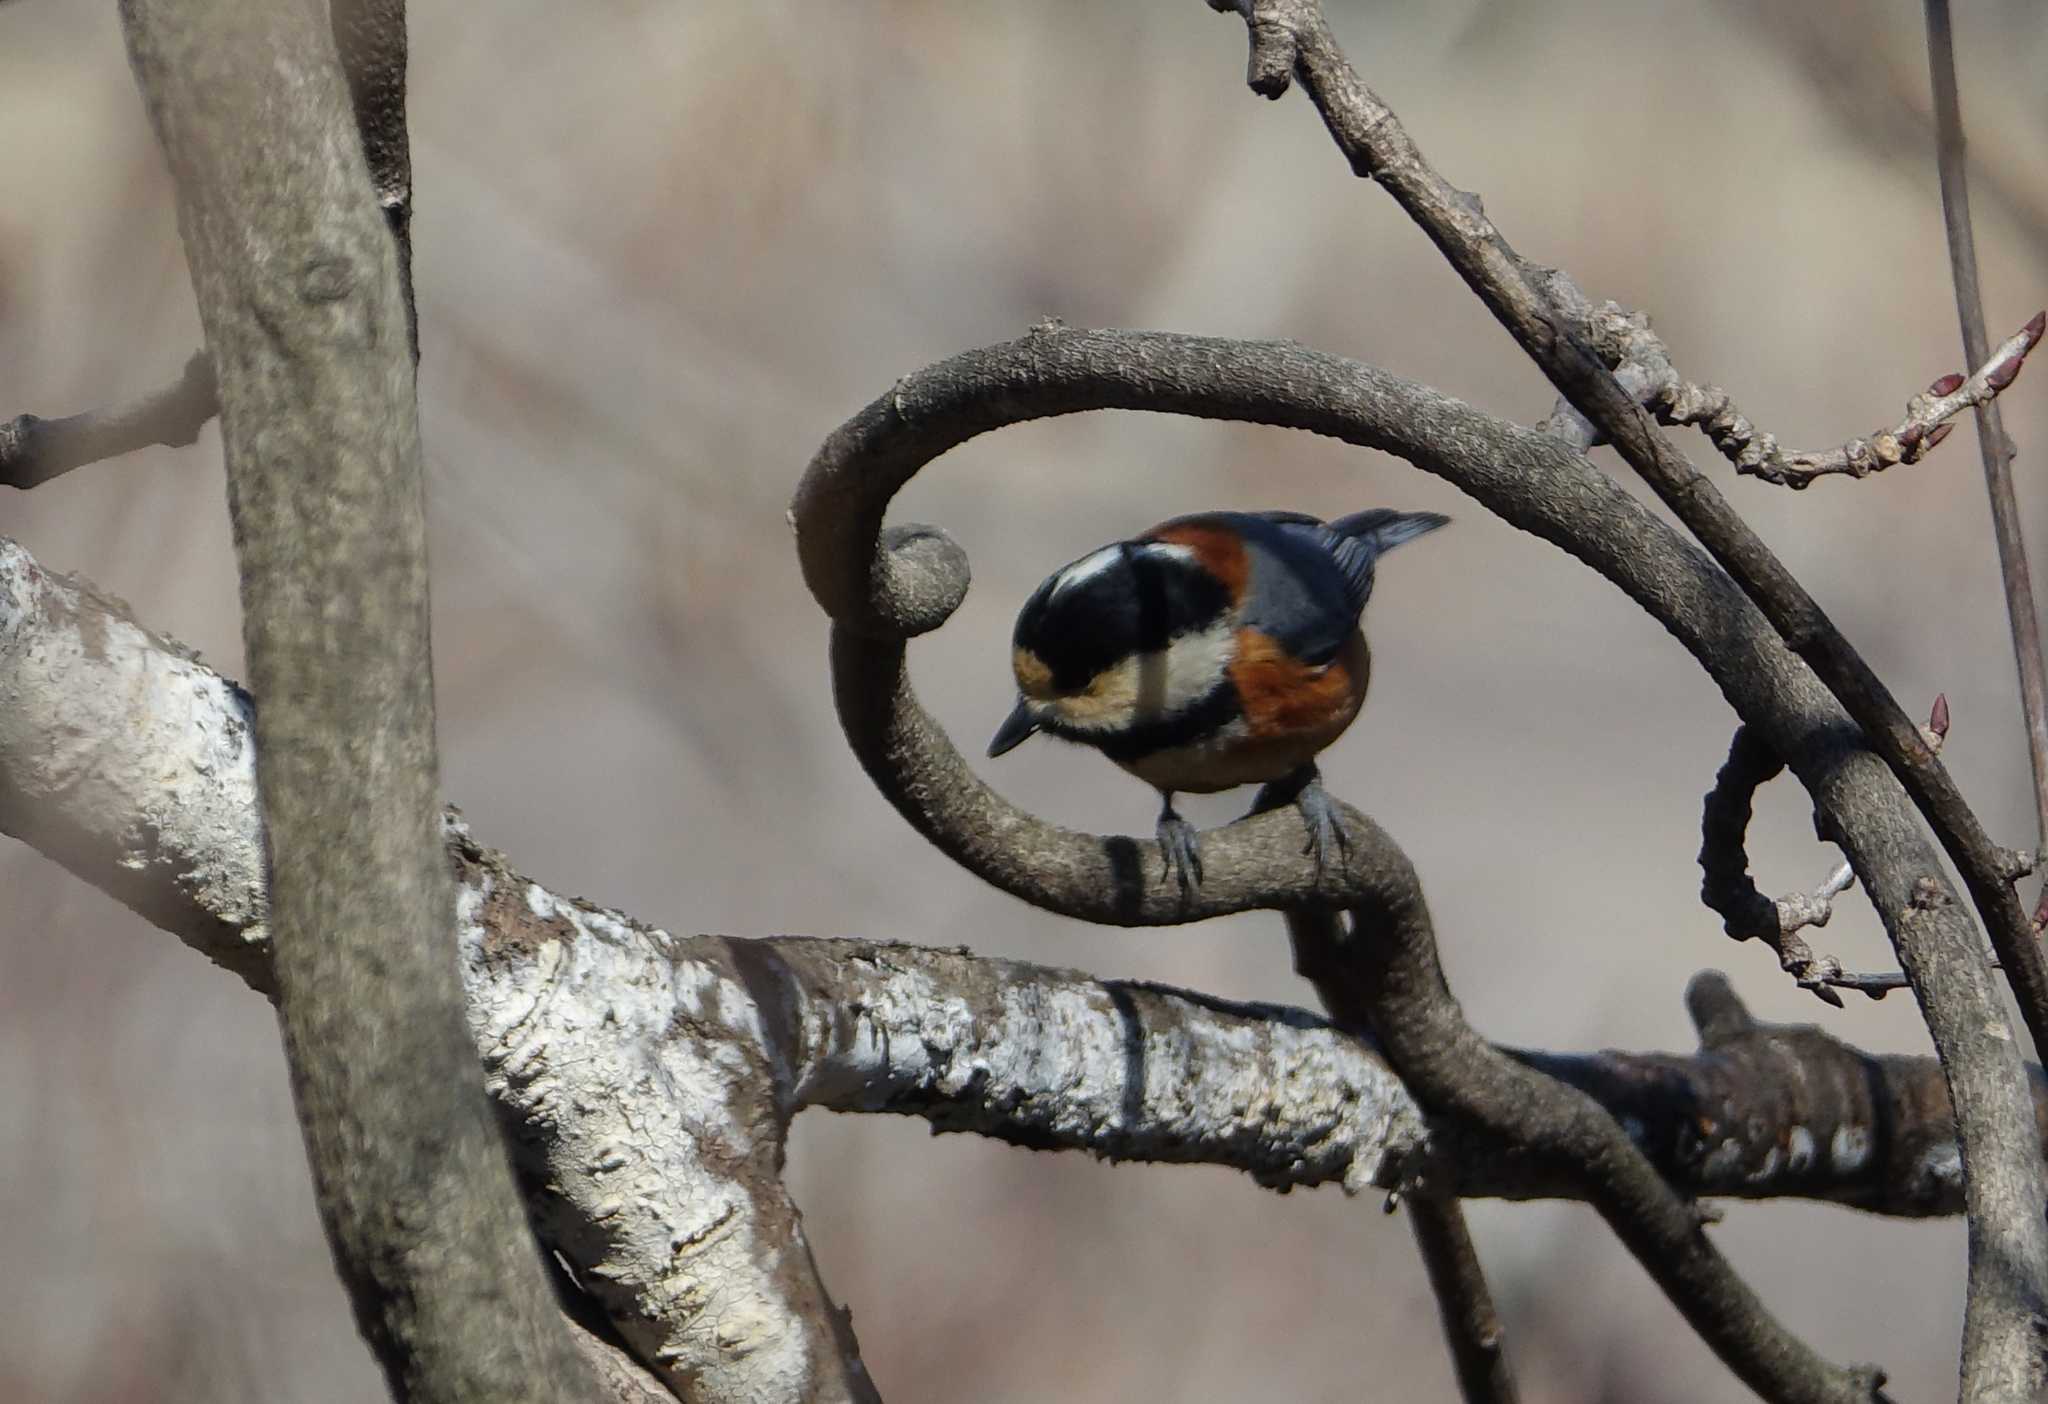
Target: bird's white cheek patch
(1149, 686)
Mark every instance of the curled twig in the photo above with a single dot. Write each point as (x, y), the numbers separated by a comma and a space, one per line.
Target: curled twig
(1727, 888)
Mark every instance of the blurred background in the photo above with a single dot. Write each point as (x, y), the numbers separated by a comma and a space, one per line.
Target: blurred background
(663, 249)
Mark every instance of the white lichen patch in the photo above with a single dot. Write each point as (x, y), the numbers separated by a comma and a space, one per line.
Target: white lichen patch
(1849, 1149)
(1799, 1150)
(653, 1055)
(1060, 1056)
(1939, 1172)
(140, 749)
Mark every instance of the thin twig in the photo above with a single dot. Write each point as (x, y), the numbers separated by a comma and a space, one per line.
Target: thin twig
(34, 450)
(1463, 1302)
(1642, 363)
(1991, 439)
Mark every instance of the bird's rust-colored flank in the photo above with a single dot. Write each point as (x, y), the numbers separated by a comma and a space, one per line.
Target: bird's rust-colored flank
(1219, 549)
(1286, 699)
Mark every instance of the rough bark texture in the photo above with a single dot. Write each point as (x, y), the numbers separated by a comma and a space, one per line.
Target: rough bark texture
(298, 289)
(133, 765)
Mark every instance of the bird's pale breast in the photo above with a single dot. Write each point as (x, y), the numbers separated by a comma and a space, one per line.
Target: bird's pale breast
(1291, 711)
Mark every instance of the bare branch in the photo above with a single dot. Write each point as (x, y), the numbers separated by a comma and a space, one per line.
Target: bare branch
(132, 765)
(1996, 448)
(370, 35)
(1532, 305)
(1642, 363)
(2009, 1240)
(35, 450)
(1378, 969)
(298, 290)
(1463, 1302)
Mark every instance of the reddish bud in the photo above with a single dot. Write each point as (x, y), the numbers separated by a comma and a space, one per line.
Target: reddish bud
(1941, 431)
(2003, 374)
(1937, 718)
(2036, 327)
(1911, 435)
(1947, 385)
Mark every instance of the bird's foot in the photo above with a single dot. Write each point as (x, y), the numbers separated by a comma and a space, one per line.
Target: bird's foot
(1326, 834)
(1181, 847)
(1304, 790)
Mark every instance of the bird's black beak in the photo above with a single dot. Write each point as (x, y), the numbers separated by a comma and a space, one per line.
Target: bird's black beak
(1016, 728)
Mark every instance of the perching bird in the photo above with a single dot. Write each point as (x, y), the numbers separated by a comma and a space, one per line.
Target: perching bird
(1216, 650)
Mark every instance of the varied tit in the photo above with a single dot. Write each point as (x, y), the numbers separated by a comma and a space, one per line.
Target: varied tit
(1214, 651)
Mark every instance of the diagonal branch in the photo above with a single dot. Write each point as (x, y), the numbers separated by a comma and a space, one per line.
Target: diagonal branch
(2009, 1235)
(1292, 37)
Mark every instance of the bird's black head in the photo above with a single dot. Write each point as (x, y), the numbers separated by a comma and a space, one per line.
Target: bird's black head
(1083, 634)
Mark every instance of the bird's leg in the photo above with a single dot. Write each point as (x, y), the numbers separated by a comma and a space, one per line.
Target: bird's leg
(1303, 789)
(1180, 846)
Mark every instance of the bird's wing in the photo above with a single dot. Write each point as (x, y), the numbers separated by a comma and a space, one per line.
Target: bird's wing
(1307, 583)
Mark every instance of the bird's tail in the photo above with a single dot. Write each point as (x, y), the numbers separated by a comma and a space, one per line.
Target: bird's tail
(1382, 529)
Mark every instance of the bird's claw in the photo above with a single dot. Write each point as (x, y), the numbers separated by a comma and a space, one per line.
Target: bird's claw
(1325, 829)
(1180, 846)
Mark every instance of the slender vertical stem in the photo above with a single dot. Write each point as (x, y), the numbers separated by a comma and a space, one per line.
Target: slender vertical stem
(1996, 448)
(1471, 1325)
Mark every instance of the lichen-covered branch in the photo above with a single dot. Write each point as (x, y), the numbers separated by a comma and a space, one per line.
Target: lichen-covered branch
(34, 450)
(133, 765)
(1291, 39)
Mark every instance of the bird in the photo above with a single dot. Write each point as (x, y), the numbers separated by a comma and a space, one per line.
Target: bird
(1215, 650)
